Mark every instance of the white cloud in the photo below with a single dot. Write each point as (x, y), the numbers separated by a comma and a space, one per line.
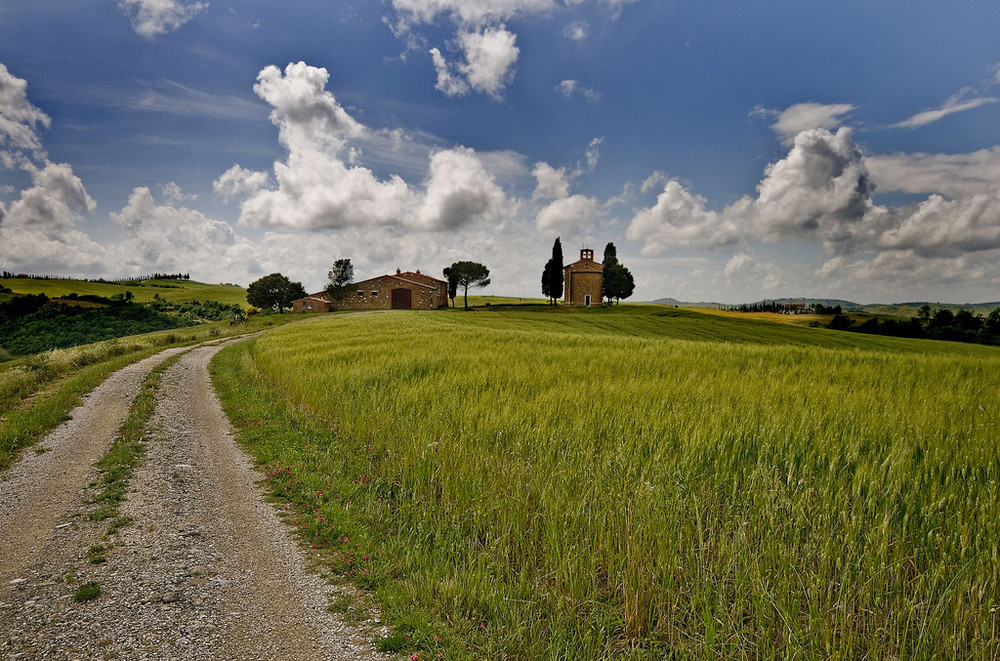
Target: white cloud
(953, 175)
(952, 105)
(679, 219)
(19, 119)
(153, 17)
(459, 191)
(316, 187)
(238, 181)
(747, 271)
(571, 214)
(805, 116)
(447, 82)
(577, 31)
(53, 203)
(821, 190)
(175, 193)
(321, 184)
(166, 238)
(488, 64)
(593, 153)
(571, 88)
(552, 183)
(488, 49)
(468, 12)
(304, 112)
(938, 227)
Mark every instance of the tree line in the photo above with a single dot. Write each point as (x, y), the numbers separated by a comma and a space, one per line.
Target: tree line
(942, 324)
(783, 308)
(104, 281)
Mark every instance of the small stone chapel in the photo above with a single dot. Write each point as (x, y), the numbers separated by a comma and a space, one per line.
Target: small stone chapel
(584, 280)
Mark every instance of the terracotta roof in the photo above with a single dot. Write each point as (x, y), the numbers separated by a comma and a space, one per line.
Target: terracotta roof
(407, 279)
(318, 296)
(586, 266)
(422, 277)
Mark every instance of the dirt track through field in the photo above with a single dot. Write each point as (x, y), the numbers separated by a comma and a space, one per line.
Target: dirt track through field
(205, 571)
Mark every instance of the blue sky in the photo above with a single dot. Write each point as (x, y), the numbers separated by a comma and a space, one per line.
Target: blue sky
(732, 151)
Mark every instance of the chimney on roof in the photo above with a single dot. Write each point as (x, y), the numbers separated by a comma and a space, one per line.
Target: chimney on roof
(587, 254)
(398, 271)
(418, 271)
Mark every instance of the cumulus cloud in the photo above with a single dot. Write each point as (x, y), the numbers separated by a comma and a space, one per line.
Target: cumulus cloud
(552, 183)
(19, 118)
(39, 230)
(952, 175)
(488, 48)
(938, 227)
(153, 17)
(322, 183)
(822, 190)
(571, 88)
(54, 202)
(238, 181)
(167, 238)
(570, 214)
(459, 191)
(680, 219)
(316, 186)
(304, 112)
(955, 103)
(488, 65)
(805, 116)
(744, 270)
(175, 193)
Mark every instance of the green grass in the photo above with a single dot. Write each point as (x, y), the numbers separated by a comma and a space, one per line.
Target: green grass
(87, 591)
(640, 482)
(38, 392)
(170, 290)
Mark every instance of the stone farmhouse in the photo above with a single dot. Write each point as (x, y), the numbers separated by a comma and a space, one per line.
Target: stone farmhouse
(584, 280)
(403, 290)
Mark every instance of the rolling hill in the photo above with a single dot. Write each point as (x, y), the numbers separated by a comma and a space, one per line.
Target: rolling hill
(176, 291)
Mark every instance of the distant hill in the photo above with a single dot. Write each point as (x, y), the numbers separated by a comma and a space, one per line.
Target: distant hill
(910, 309)
(685, 304)
(176, 291)
(907, 310)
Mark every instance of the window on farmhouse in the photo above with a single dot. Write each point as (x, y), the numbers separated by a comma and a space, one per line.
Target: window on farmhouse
(361, 292)
(374, 292)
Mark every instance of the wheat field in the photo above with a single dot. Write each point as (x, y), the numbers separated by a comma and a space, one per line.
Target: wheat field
(635, 483)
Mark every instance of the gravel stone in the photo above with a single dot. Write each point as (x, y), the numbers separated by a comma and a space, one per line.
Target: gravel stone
(206, 570)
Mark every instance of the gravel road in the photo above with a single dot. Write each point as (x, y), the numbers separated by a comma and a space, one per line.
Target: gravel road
(205, 571)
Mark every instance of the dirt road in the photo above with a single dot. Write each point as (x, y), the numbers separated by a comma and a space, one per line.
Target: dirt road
(205, 571)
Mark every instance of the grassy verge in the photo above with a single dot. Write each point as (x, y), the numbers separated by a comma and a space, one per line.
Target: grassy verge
(38, 392)
(631, 484)
(127, 452)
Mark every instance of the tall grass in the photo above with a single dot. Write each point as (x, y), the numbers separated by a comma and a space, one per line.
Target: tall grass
(535, 485)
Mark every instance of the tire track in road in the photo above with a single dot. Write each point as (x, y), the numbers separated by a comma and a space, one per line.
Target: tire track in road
(39, 492)
(206, 570)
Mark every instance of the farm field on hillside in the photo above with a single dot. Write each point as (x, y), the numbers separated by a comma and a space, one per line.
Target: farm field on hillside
(637, 482)
(170, 290)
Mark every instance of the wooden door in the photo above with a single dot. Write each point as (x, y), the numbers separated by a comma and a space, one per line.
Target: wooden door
(402, 299)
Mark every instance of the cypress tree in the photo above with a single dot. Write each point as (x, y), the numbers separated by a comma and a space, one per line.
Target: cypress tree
(552, 275)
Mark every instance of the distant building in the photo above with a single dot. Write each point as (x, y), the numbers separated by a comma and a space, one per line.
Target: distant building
(403, 290)
(584, 281)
